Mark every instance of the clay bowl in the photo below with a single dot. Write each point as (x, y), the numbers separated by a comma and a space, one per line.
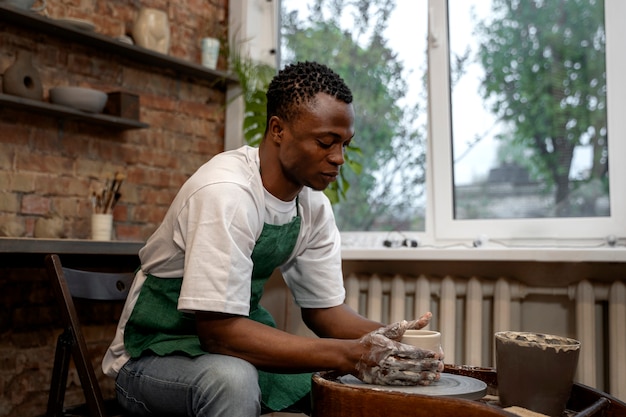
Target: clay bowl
(81, 98)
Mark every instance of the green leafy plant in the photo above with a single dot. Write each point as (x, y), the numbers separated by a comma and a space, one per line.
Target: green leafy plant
(254, 79)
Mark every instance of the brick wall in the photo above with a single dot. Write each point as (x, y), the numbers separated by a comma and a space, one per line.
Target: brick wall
(48, 166)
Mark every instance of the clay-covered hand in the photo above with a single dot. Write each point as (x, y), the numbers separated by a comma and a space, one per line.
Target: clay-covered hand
(389, 362)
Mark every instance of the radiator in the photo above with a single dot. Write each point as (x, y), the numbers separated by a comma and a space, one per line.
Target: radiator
(468, 312)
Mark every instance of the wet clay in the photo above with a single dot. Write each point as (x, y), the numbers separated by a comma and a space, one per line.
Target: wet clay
(541, 341)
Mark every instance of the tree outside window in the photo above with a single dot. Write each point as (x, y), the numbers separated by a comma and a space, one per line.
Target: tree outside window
(525, 85)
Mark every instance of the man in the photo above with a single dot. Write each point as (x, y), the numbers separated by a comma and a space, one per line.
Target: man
(193, 340)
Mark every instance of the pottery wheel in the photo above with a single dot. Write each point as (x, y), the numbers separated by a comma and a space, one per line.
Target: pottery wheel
(450, 385)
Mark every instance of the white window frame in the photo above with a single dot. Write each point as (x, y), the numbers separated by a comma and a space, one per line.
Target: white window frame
(440, 182)
(442, 230)
(254, 26)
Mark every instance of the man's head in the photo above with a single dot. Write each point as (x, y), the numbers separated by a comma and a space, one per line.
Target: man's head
(310, 122)
(297, 85)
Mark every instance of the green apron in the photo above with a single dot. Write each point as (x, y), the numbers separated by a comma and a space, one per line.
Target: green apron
(157, 327)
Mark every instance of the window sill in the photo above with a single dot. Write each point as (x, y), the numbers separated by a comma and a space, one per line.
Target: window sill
(486, 253)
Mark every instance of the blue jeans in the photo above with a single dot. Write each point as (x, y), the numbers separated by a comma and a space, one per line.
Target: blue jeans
(207, 385)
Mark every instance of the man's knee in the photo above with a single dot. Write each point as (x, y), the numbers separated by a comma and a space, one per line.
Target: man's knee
(235, 375)
(230, 384)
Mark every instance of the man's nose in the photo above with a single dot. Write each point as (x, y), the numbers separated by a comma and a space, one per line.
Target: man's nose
(337, 155)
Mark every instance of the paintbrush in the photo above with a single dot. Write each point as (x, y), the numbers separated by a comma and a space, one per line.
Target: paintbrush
(114, 190)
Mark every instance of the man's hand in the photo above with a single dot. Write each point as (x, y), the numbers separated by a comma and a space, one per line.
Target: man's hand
(389, 362)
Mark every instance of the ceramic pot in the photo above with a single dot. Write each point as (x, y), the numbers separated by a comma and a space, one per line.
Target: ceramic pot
(22, 78)
(151, 30)
(423, 339)
(535, 370)
(101, 226)
(210, 52)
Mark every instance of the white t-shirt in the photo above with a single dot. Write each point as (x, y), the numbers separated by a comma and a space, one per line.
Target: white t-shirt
(209, 232)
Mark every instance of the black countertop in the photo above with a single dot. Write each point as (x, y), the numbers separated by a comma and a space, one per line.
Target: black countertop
(69, 246)
(28, 253)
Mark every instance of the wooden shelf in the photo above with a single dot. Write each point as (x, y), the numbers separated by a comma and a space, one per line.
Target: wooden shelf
(49, 26)
(69, 113)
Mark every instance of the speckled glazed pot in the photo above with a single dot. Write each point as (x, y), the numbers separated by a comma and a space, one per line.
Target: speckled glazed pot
(535, 371)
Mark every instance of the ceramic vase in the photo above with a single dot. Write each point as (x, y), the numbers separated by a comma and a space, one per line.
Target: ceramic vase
(151, 30)
(22, 78)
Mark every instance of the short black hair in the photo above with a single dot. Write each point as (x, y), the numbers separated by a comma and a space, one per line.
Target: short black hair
(297, 84)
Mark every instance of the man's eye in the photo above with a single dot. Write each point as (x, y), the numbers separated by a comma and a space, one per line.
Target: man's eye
(324, 145)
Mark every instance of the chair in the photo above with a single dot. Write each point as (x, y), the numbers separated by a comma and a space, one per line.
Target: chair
(67, 285)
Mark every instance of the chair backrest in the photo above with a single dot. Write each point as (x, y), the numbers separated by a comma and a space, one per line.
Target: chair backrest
(67, 285)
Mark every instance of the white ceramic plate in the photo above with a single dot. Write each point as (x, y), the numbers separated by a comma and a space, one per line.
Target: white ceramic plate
(78, 23)
(450, 385)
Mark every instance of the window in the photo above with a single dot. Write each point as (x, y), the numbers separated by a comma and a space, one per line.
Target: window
(475, 119)
(541, 83)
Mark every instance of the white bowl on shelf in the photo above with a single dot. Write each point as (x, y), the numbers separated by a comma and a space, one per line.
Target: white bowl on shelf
(81, 98)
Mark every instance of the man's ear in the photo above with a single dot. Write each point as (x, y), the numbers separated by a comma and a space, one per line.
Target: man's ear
(276, 128)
